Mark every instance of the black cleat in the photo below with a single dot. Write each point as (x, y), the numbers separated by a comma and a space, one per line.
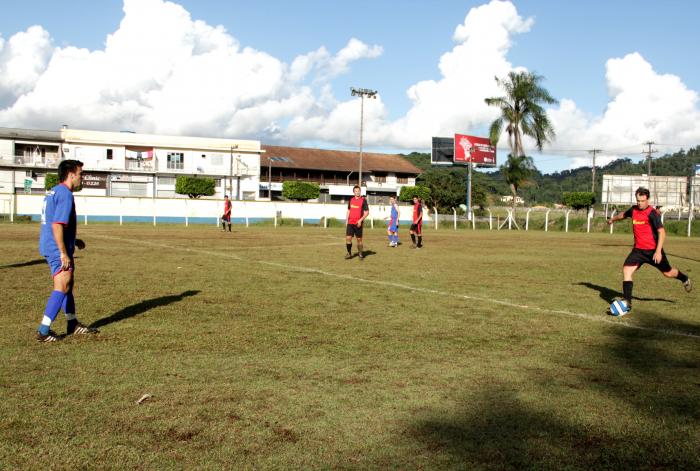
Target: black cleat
(80, 329)
(50, 337)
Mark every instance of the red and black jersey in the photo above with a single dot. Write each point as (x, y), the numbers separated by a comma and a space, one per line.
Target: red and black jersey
(417, 213)
(357, 206)
(645, 225)
(227, 207)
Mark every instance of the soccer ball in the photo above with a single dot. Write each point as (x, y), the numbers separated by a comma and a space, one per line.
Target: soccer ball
(619, 308)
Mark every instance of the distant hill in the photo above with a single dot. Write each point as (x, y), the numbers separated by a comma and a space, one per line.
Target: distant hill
(548, 188)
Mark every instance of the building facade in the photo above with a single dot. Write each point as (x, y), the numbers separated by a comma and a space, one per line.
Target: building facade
(336, 172)
(128, 164)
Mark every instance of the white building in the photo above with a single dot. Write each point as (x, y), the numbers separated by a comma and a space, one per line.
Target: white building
(128, 164)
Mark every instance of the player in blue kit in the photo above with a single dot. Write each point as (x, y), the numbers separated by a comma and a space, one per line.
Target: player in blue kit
(57, 243)
(392, 230)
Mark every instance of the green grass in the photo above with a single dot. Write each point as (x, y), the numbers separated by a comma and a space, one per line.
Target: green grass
(265, 349)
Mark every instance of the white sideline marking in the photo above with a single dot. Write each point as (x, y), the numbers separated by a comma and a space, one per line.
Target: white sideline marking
(589, 317)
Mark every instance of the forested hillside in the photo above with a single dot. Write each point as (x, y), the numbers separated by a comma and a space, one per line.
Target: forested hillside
(546, 188)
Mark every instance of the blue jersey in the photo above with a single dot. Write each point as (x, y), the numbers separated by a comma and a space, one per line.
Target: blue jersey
(59, 208)
(394, 215)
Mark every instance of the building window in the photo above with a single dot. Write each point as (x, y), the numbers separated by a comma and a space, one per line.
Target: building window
(217, 182)
(403, 180)
(176, 160)
(380, 178)
(166, 180)
(110, 154)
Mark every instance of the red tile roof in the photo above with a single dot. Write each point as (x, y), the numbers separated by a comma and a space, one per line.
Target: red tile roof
(335, 160)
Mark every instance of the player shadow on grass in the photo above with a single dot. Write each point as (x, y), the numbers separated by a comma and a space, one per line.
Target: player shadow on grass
(608, 295)
(29, 263)
(143, 306)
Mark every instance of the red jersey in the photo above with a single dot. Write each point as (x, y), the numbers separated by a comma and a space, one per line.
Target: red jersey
(357, 206)
(417, 213)
(645, 225)
(227, 207)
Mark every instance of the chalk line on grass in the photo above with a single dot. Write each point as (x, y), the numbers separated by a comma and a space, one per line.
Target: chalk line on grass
(417, 289)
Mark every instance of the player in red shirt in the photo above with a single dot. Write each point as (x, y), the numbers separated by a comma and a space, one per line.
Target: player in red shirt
(226, 218)
(649, 237)
(417, 226)
(358, 210)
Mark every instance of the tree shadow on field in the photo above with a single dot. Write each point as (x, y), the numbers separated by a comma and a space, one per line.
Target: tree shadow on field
(608, 295)
(143, 306)
(683, 257)
(650, 378)
(29, 263)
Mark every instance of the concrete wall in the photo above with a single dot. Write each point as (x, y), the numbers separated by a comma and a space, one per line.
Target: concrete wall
(175, 210)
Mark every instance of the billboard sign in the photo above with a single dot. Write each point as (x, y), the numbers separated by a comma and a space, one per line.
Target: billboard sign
(442, 151)
(478, 149)
(94, 180)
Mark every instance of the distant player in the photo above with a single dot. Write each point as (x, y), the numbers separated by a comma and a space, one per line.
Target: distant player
(649, 237)
(358, 210)
(392, 230)
(417, 226)
(57, 243)
(226, 218)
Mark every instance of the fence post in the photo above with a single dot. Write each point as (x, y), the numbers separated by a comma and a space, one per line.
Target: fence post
(612, 225)
(490, 220)
(371, 223)
(588, 220)
(12, 207)
(245, 210)
(436, 218)
(274, 208)
(546, 220)
(325, 216)
(510, 218)
(691, 206)
(301, 207)
(566, 227)
(527, 219)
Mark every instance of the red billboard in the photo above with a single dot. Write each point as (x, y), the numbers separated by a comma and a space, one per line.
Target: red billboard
(478, 149)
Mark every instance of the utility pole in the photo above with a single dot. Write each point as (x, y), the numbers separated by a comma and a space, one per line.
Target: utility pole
(362, 93)
(648, 152)
(594, 152)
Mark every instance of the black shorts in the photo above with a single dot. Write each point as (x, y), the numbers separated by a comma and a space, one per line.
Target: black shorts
(639, 257)
(353, 230)
(417, 228)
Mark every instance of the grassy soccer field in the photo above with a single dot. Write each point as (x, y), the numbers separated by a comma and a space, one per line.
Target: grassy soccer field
(265, 349)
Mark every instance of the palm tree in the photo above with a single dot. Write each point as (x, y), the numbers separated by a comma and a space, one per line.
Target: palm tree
(522, 114)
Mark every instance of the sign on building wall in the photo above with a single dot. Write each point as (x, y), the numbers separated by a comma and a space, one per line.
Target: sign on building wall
(94, 180)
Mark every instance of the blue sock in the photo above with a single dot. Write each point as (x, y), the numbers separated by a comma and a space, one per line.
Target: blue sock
(53, 305)
(69, 305)
(396, 239)
(391, 238)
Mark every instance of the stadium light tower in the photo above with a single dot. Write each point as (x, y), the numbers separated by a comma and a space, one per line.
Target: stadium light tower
(362, 93)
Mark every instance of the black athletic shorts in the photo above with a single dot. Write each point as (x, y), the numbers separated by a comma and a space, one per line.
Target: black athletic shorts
(417, 228)
(353, 230)
(639, 257)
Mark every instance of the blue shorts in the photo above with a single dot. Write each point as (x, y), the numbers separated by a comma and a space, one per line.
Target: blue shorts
(55, 265)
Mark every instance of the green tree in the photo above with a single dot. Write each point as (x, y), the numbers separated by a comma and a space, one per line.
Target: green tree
(300, 191)
(408, 192)
(522, 114)
(50, 181)
(194, 187)
(578, 199)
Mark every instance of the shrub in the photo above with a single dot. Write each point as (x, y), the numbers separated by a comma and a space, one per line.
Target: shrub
(578, 199)
(194, 187)
(50, 181)
(300, 191)
(408, 192)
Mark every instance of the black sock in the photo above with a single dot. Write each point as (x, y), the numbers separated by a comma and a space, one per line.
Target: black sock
(349, 247)
(223, 226)
(413, 238)
(420, 241)
(627, 291)
(229, 227)
(71, 325)
(682, 276)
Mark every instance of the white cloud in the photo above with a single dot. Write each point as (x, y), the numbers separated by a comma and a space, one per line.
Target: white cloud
(163, 72)
(644, 105)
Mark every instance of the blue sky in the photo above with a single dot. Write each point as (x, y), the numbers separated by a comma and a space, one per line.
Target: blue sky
(569, 43)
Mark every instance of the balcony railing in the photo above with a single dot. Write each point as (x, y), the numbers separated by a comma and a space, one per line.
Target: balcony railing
(47, 160)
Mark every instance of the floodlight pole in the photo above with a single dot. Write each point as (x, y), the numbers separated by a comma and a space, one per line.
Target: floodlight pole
(469, 188)
(362, 93)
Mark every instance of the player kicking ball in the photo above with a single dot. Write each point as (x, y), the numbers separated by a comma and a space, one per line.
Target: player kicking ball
(57, 242)
(358, 210)
(649, 237)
